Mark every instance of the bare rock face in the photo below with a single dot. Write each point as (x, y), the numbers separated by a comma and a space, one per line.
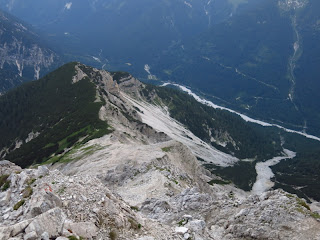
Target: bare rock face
(51, 222)
(60, 206)
(7, 167)
(41, 203)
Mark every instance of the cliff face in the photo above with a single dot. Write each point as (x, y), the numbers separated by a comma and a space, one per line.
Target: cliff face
(23, 56)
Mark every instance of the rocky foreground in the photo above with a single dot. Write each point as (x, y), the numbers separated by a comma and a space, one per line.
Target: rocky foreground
(44, 204)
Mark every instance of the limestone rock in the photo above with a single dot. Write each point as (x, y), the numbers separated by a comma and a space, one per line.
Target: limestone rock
(181, 230)
(42, 171)
(30, 236)
(84, 229)
(51, 222)
(43, 201)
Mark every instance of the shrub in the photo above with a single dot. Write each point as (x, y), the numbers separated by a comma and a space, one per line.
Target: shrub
(18, 205)
(166, 149)
(4, 182)
(135, 208)
(113, 235)
(303, 203)
(72, 237)
(134, 224)
(31, 181)
(27, 192)
(5, 186)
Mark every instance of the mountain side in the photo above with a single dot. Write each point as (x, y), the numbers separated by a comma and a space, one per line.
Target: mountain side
(248, 55)
(23, 55)
(80, 103)
(121, 167)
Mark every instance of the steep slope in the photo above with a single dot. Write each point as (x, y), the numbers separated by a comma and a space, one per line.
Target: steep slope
(64, 97)
(52, 120)
(121, 167)
(23, 54)
(48, 116)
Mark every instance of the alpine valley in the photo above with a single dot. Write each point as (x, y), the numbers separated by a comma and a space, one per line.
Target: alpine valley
(259, 57)
(106, 156)
(90, 153)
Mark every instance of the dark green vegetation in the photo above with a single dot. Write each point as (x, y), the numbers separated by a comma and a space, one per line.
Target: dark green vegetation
(242, 174)
(300, 175)
(60, 111)
(18, 204)
(220, 182)
(113, 235)
(4, 182)
(243, 140)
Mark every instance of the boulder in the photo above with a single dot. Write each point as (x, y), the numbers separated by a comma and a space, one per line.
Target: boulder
(45, 236)
(51, 222)
(83, 229)
(181, 230)
(14, 230)
(196, 226)
(42, 171)
(30, 236)
(42, 202)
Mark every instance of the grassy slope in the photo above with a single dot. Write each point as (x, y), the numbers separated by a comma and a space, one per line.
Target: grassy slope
(61, 111)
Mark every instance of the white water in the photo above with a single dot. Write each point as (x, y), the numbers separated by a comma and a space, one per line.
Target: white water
(264, 172)
(244, 117)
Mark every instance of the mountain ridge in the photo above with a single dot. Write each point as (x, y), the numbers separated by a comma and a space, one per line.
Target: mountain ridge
(225, 143)
(24, 56)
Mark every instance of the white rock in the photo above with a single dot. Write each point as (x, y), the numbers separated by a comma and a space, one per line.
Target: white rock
(45, 236)
(20, 227)
(5, 233)
(181, 230)
(41, 202)
(146, 238)
(12, 231)
(186, 236)
(5, 197)
(42, 171)
(51, 222)
(30, 236)
(187, 217)
(196, 225)
(84, 229)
